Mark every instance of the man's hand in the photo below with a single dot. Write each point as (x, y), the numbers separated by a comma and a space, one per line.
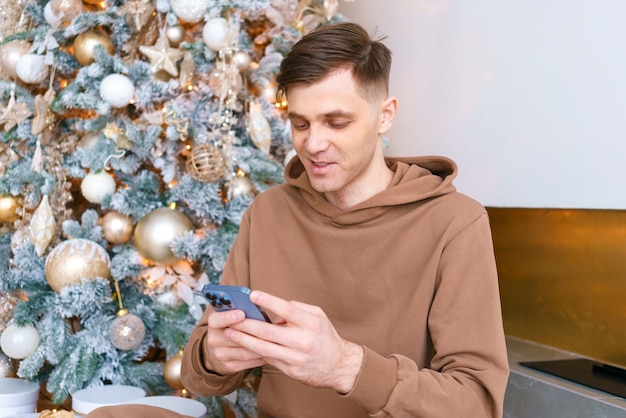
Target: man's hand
(223, 355)
(302, 343)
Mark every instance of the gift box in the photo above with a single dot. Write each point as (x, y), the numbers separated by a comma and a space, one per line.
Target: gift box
(86, 400)
(17, 396)
(183, 406)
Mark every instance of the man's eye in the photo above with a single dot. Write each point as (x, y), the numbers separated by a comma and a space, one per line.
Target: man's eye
(299, 125)
(339, 125)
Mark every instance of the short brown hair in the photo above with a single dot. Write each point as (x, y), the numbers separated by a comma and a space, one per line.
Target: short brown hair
(333, 47)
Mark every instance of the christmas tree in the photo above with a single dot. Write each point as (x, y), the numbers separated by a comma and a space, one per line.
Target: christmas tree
(133, 136)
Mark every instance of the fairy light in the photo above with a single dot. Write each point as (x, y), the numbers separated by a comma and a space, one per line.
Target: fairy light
(172, 205)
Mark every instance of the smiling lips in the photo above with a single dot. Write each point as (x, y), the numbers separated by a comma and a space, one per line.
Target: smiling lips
(319, 167)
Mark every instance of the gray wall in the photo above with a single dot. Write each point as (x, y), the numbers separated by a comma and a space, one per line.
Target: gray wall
(529, 97)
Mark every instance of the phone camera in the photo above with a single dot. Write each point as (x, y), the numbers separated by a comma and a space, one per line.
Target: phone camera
(211, 296)
(225, 301)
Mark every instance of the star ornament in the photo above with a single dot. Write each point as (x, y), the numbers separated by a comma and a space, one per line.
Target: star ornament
(161, 56)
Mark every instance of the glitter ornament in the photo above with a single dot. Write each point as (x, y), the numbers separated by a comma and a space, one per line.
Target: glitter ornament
(6, 366)
(206, 163)
(10, 54)
(117, 90)
(74, 260)
(32, 68)
(11, 17)
(162, 57)
(19, 342)
(9, 206)
(190, 11)
(155, 232)
(172, 371)
(66, 10)
(85, 43)
(42, 226)
(116, 228)
(127, 331)
(215, 33)
(7, 305)
(95, 186)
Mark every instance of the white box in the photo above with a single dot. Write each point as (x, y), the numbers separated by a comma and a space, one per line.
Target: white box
(86, 400)
(17, 396)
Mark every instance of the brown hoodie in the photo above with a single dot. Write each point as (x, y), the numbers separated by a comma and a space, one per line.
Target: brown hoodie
(409, 274)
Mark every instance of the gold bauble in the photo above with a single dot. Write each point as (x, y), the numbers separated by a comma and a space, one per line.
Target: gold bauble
(206, 163)
(155, 232)
(242, 60)
(66, 10)
(11, 53)
(9, 206)
(172, 371)
(240, 186)
(76, 259)
(116, 228)
(86, 42)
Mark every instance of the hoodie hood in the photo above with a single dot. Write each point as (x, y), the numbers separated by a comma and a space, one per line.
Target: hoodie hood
(415, 179)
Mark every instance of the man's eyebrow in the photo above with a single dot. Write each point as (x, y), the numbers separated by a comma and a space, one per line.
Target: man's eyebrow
(331, 114)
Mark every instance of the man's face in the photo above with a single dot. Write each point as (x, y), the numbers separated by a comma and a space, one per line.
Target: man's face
(337, 134)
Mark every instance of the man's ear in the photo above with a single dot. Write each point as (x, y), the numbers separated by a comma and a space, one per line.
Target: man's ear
(388, 114)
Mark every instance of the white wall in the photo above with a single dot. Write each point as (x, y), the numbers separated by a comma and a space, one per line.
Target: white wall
(528, 96)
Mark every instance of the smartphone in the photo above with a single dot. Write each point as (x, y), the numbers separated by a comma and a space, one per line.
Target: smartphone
(224, 298)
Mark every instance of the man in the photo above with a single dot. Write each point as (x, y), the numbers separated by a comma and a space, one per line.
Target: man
(378, 276)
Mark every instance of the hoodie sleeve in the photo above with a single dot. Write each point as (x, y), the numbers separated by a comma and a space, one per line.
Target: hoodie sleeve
(195, 374)
(468, 372)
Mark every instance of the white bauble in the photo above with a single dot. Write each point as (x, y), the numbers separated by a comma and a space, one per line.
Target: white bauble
(52, 19)
(117, 90)
(190, 11)
(175, 34)
(32, 68)
(19, 342)
(215, 33)
(97, 185)
(242, 60)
